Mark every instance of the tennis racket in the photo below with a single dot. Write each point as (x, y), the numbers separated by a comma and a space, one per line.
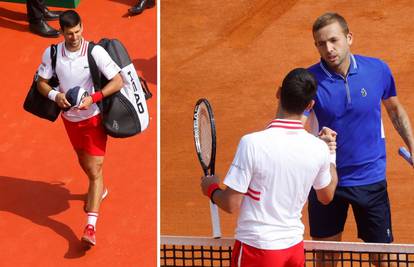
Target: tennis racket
(205, 144)
(405, 154)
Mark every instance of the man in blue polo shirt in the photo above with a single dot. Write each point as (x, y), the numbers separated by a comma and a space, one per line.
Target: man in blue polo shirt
(350, 91)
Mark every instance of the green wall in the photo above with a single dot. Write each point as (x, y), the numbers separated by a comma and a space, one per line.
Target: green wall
(59, 3)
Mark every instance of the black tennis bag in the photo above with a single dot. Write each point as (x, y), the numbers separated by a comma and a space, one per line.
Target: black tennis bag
(35, 102)
(124, 113)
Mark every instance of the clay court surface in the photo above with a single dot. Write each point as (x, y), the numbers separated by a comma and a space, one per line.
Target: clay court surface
(41, 185)
(235, 53)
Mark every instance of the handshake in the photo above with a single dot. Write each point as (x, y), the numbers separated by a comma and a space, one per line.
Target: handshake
(329, 136)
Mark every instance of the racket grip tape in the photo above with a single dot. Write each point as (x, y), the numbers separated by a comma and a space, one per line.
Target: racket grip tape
(215, 220)
(405, 154)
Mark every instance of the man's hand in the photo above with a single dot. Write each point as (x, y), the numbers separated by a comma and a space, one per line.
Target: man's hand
(61, 101)
(206, 181)
(86, 103)
(329, 136)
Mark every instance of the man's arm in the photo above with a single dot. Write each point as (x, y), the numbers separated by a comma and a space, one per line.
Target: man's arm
(44, 88)
(326, 194)
(110, 70)
(45, 70)
(400, 120)
(228, 199)
(113, 86)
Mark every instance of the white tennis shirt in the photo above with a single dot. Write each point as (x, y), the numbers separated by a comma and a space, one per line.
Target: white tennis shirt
(72, 69)
(275, 169)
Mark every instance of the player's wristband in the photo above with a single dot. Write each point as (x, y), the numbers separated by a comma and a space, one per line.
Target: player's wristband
(212, 194)
(96, 97)
(332, 158)
(211, 190)
(52, 95)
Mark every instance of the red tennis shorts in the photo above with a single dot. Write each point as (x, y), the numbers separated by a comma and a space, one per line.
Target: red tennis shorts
(244, 255)
(88, 135)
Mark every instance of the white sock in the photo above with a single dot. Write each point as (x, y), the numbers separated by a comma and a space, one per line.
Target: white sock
(92, 218)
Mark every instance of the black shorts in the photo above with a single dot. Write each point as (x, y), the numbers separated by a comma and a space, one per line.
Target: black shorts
(371, 208)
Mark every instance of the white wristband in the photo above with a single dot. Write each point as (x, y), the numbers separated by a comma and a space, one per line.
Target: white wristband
(52, 95)
(332, 158)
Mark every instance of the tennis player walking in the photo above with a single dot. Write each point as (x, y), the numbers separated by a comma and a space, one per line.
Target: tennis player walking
(270, 179)
(348, 101)
(83, 124)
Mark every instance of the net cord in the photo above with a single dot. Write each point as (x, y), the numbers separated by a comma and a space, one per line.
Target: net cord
(309, 245)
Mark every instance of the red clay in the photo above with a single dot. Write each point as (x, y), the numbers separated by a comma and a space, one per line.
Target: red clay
(235, 53)
(41, 185)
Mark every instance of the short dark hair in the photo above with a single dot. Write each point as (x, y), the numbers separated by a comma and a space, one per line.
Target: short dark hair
(69, 19)
(329, 18)
(298, 90)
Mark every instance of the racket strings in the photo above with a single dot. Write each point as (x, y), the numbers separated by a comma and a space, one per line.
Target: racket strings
(205, 134)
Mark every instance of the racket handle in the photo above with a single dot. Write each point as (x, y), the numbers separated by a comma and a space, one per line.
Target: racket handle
(215, 220)
(405, 154)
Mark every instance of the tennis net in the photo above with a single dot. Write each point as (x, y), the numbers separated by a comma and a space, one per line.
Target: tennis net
(202, 251)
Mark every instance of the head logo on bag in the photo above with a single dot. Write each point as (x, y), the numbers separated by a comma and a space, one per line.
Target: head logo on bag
(124, 113)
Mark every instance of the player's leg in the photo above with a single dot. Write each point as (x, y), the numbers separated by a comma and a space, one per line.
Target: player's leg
(92, 166)
(326, 223)
(89, 141)
(373, 217)
(327, 259)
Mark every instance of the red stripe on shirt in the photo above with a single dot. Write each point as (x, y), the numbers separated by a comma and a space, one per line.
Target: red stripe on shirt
(253, 197)
(286, 121)
(287, 124)
(63, 50)
(85, 45)
(286, 127)
(253, 191)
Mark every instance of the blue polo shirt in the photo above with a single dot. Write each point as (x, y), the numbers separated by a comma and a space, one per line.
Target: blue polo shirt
(351, 106)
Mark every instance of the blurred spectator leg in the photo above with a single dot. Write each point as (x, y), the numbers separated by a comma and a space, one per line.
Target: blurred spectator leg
(36, 10)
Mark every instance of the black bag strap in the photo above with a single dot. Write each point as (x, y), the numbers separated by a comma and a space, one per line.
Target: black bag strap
(95, 73)
(53, 56)
(93, 68)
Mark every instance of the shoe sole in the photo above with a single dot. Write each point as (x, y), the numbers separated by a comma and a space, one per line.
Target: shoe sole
(87, 242)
